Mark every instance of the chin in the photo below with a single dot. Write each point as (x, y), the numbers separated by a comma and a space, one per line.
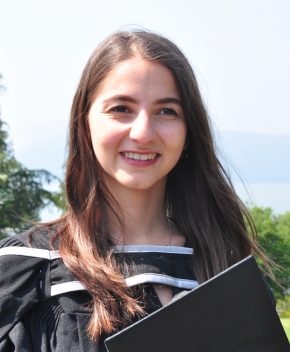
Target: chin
(141, 184)
(136, 183)
(138, 186)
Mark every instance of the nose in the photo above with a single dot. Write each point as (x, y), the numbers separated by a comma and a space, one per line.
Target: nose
(142, 129)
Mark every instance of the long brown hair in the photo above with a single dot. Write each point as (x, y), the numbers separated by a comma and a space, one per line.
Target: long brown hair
(199, 195)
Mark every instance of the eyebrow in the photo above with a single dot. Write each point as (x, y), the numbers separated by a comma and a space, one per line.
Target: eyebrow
(169, 100)
(127, 98)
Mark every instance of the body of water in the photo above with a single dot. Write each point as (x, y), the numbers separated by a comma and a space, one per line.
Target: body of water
(273, 195)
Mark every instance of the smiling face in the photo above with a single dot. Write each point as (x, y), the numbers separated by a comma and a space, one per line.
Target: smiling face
(137, 125)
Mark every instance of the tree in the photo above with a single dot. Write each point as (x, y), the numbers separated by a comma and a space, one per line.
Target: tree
(274, 238)
(22, 191)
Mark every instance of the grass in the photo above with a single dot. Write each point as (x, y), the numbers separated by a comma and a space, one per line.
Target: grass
(286, 325)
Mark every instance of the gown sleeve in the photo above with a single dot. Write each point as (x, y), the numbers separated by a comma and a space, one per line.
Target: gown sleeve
(23, 284)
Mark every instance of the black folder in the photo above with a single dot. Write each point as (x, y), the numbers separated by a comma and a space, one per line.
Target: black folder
(232, 312)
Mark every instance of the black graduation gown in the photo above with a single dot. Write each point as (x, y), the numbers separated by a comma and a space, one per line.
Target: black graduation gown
(44, 308)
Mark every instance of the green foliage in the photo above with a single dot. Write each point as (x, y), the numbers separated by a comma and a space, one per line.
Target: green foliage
(274, 238)
(283, 307)
(286, 325)
(58, 198)
(22, 191)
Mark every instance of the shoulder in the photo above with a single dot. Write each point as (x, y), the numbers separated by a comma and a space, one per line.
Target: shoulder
(24, 274)
(40, 236)
(37, 292)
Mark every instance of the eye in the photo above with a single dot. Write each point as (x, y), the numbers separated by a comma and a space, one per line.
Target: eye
(168, 112)
(120, 108)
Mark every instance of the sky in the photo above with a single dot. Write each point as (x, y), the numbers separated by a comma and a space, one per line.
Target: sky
(240, 52)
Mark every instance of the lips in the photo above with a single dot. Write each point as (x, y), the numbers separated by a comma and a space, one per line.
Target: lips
(140, 156)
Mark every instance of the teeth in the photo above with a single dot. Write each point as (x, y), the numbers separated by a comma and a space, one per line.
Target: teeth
(137, 156)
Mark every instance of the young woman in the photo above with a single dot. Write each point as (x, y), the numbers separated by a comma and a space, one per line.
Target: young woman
(151, 211)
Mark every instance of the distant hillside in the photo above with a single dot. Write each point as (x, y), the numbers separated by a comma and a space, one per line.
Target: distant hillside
(258, 158)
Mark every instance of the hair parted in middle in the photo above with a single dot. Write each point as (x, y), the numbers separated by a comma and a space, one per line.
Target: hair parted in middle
(199, 196)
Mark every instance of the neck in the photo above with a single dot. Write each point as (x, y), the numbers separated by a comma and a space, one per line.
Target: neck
(144, 218)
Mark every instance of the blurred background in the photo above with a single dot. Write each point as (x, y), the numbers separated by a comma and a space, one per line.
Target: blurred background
(240, 52)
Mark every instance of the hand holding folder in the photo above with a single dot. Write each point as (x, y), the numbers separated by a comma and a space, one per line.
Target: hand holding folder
(231, 312)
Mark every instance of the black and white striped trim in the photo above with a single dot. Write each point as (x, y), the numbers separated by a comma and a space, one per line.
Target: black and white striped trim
(66, 287)
(50, 255)
(160, 279)
(152, 249)
(153, 278)
(30, 252)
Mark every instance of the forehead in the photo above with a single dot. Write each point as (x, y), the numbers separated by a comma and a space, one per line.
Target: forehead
(137, 75)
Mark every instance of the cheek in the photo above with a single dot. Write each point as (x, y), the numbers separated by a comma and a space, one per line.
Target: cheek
(176, 137)
(104, 137)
